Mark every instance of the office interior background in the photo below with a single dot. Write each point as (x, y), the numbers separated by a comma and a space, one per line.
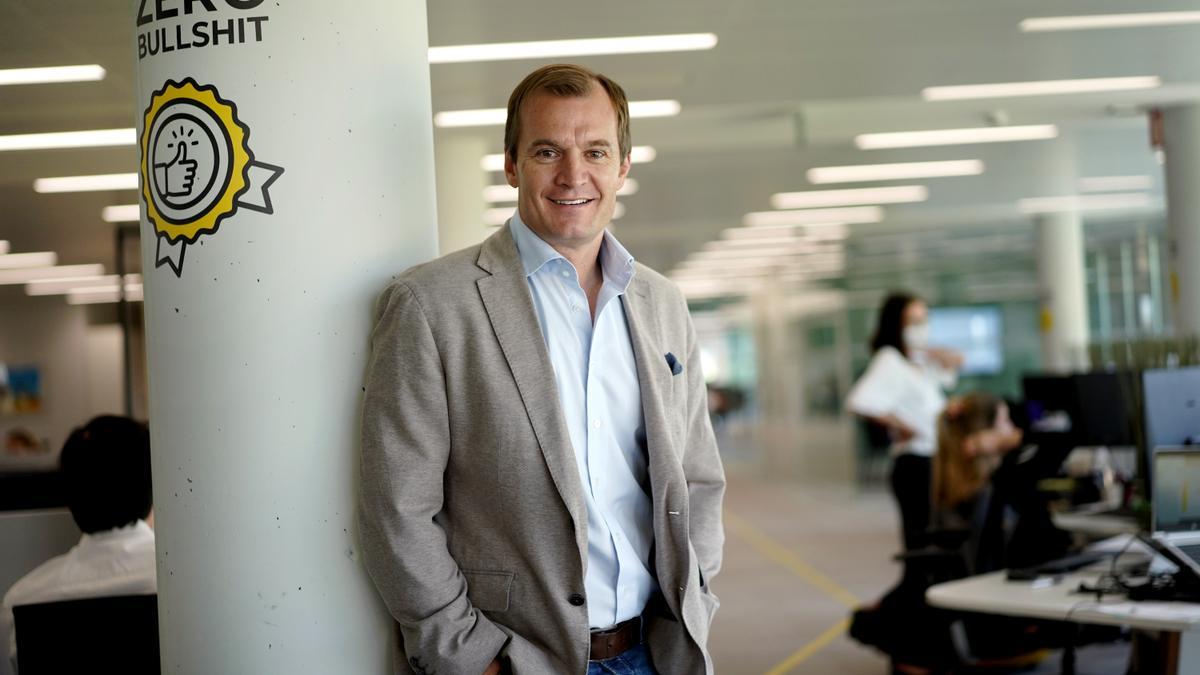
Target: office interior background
(744, 190)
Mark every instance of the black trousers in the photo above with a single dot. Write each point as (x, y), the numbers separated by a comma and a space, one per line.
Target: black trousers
(912, 480)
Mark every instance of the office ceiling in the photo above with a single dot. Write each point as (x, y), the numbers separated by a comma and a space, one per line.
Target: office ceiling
(787, 88)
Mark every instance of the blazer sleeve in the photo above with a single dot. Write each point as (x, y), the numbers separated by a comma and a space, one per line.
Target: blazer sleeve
(702, 468)
(405, 451)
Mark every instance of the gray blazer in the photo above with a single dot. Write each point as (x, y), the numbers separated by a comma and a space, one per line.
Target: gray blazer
(472, 517)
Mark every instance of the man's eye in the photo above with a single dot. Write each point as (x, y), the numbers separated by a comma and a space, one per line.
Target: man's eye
(544, 154)
(597, 154)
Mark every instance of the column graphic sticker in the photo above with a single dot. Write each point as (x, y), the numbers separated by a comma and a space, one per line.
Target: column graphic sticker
(197, 167)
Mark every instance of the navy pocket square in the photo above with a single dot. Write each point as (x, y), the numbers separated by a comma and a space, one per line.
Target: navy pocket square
(674, 364)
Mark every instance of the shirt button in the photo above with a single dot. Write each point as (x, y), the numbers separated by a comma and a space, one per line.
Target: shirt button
(596, 424)
(565, 273)
(575, 599)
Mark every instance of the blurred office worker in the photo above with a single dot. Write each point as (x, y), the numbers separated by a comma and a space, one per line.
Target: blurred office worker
(106, 470)
(902, 390)
(541, 489)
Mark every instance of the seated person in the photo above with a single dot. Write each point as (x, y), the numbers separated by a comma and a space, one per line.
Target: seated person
(980, 447)
(106, 468)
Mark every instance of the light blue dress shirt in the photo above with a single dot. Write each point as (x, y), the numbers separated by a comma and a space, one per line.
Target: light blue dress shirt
(601, 399)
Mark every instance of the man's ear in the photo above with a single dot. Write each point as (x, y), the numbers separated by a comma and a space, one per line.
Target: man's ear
(510, 170)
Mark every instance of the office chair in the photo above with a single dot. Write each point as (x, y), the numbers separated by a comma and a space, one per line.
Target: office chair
(111, 634)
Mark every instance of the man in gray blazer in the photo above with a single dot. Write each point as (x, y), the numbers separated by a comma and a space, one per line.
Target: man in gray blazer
(541, 490)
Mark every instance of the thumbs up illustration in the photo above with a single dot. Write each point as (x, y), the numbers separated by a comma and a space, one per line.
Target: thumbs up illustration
(175, 178)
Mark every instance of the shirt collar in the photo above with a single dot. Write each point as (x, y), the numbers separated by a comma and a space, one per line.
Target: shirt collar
(616, 263)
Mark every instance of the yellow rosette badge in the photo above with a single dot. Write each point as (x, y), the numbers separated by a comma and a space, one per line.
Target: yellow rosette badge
(197, 167)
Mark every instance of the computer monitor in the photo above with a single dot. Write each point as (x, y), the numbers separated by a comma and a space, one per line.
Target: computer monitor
(1176, 502)
(1102, 408)
(1172, 406)
(1050, 403)
(975, 332)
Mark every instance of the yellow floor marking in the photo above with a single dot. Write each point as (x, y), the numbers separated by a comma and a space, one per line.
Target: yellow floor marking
(805, 652)
(776, 552)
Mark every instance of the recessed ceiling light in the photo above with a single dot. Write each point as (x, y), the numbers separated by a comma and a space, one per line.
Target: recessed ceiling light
(638, 154)
(14, 261)
(900, 194)
(507, 193)
(912, 139)
(901, 171)
(1102, 202)
(1093, 21)
(108, 181)
(89, 73)
(495, 116)
(1115, 183)
(124, 213)
(506, 51)
(1042, 88)
(67, 284)
(856, 214)
(69, 139)
(24, 276)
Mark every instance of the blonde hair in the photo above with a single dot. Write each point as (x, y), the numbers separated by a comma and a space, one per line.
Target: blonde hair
(565, 80)
(957, 476)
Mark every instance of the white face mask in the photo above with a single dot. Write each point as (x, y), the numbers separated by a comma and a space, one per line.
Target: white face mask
(916, 336)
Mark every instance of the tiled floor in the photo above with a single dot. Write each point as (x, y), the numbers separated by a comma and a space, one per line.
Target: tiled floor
(804, 544)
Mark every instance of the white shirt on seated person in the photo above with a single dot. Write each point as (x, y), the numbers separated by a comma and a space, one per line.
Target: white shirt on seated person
(103, 564)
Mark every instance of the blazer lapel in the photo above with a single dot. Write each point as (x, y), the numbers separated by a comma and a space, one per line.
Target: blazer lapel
(669, 489)
(506, 298)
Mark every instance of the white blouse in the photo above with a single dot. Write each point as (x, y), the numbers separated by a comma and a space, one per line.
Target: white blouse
(912, 392)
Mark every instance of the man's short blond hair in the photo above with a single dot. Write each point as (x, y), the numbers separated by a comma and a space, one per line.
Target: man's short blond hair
(565, 79)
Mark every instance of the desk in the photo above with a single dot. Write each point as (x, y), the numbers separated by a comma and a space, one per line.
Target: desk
(1094, 523)
(993, 594)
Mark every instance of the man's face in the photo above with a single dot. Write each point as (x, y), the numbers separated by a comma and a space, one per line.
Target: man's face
(568, 167)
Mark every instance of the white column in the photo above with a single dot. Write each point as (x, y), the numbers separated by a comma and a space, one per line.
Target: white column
(1181, 139)
(1061, 284)
(460, 183)
(288, 175)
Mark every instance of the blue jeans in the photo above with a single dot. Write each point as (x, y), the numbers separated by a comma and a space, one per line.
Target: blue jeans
(635, 661)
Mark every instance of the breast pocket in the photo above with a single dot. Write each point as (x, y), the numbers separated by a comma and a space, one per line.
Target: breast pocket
(489, 591)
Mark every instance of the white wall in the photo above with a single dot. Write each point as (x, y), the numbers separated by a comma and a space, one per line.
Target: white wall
(80, 364)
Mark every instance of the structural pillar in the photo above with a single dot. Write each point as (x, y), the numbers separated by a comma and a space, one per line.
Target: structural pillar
(1061, 286)
(286, 161)
(1181, 146)
(460, 181)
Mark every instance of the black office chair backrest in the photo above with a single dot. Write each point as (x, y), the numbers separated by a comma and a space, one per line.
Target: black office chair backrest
(113, 634)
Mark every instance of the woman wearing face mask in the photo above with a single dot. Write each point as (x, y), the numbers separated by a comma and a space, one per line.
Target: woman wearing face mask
(902, 391)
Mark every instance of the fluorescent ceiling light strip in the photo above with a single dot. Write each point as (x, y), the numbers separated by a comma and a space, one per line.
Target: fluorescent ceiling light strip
(900, 194)
(912, 139)
(48, 75)
(507, 51)
(857, 214)
(507, 193)
(16, 261)
(1115, 183)
(500, 215)
(69, 139)
(65, 285)
(902, 171)
(91, 296)
(1094, 21)
(638, 154)
(124, 213)
(496, 116)
(1101, 202)
(1042, 88)
(24, 276)
(108, 181)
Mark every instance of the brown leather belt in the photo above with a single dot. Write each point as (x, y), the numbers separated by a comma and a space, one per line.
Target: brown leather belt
(617, 640)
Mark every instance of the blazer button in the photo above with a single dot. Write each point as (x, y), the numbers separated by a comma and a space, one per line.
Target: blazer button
(575, 599)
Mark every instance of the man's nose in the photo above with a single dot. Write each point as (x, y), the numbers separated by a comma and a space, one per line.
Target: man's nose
(571, 170)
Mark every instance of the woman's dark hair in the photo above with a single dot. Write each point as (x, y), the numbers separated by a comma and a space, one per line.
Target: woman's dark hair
(106, 468)
(889, 331)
